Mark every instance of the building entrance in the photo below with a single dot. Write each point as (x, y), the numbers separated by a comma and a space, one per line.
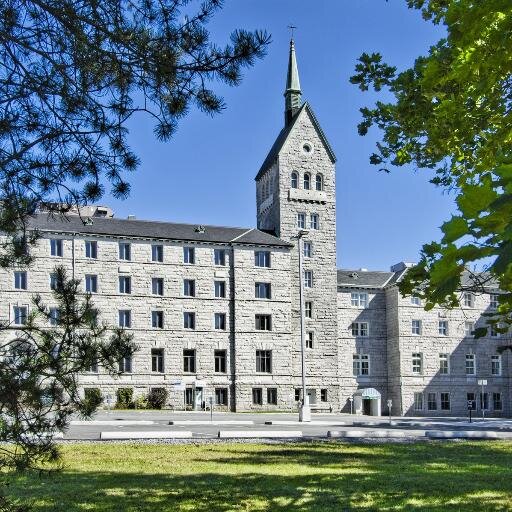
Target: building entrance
(367, 401)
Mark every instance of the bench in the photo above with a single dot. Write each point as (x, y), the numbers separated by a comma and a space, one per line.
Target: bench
(320, 408)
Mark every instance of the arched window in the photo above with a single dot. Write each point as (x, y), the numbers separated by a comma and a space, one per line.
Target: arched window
(295, 180)
(319, 182)
(307, 181)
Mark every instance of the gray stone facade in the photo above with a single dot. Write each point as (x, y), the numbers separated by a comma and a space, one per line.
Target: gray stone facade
(361, 334)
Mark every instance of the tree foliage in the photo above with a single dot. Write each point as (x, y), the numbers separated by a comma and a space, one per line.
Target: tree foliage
(72, 73)
(40, 364)
(452, 112)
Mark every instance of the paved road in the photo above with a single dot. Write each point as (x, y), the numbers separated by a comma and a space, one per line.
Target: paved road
(201, 426)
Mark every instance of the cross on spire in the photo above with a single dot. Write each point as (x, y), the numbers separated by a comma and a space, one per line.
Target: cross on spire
(292, 28)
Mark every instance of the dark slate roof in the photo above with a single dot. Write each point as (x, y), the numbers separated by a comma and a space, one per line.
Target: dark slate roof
(153, 229)
(283, 135)
(364, 278)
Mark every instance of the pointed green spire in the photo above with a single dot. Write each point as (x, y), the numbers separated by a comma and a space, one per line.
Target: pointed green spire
(292, 94)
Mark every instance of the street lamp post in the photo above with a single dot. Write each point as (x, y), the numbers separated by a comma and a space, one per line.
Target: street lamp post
(305, 410)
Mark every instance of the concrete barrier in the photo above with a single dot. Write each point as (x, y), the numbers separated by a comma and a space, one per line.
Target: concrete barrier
(375, 433)
(467, 434)
(110, 423)
(278, 434)
(214, 422)
(320, 423)
(158, 434)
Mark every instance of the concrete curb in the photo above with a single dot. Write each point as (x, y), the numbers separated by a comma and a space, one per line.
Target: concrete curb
(313, 423)
(277, 434)
(206, 422)
(376, 433)
(111, 423)
(159, 434)
(467, 434)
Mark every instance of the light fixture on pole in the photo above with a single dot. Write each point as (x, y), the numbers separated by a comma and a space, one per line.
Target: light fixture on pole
(305, 410)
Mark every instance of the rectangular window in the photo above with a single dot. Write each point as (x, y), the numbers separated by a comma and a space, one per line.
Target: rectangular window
(157, 285)
(471, 398)
(308, 309)
(308, 279)
(56, 247)
(494, 301)
(262, 290)
(220, 289)
(20, 280)
(314, 222)
(416, 327)
(417, 363)
(220, 361)
(494, 331)
(497, 404)
(323, 395)
(445, 401)
(91, 249)
(418, 401)
(93, 368)
(359, 300)
(189, 361)
(470, 364)
(301, 220)
(125, 318)
(469, 327)
(432, 401)
(219, 257)
(189, 320)
(54, 316)
(272, 396)
(415, 301)
(469, 299)
(263, 322)
(307, 249)
(189, 255)
(310, 335)
(221, 396)
(262, 259)
(157, 360)
(298, 393)
(125, 364)
(264, 361)
(53, 281)
(157, 253)
(220, 321)
(125, 284)
(360, 365)
(157, 319)
(257, 396)
(444, 364)
(189, 288)
(496, 365)
(443, 327)
(360, 329)
(91, 283)
(125, 252)
(484, 401)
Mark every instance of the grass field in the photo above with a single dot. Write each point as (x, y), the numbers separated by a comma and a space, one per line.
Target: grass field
(434, 476)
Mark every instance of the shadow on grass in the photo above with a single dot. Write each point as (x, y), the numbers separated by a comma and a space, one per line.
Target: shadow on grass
(320, 477)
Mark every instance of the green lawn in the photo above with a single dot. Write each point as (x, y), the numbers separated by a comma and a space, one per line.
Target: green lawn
(434, 476)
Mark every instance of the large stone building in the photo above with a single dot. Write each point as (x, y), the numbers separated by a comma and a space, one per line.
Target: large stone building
(215, 310)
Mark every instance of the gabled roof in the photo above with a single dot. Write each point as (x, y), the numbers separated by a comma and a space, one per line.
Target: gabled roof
(363, 278)
(283, 136)
(106, 226)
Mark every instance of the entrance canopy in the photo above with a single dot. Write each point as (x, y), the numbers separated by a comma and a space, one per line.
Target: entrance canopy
(370, 393)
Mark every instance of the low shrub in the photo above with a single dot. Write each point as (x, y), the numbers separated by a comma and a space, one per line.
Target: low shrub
(157, 398)
(124, 398)
(141, 402)
(93, 397)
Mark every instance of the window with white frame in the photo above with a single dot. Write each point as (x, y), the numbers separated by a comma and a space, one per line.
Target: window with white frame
(418, 401)
(125, 364)
(264, 361)
(263, 322)
(484, 401)
(319, 182)
(360, 329)
(220, 321)
(189, 320)
(54, 316)
(308, 309)
(219, 289)
(496, 365)
(360, 365)
(497, 404)
(445, 401)
(91, 283)
(469, 327)
(314, 221)
(301, 220)
(494, 301)
(307, 181)
(262, 259)
(157, 285)
(219, 257)
(470, 364)
(125, 318)
(443, 327)
(221, 396)
(469, 299)
(56, 247)
(294, 181)
(220, 359)
(125, 284)
(20, 280)
(444, 364)
(308, 279)
(157, 253)
(189, 255)
(310, 335)
(91, 249)
(53, 281)
(189, 288)
(416, 327)
(157, 319)
(157, 360)
(272, 396)
(432, 401)
(262, 290)
(358, 299)
(125, 252)
(416, 301)
(417, 363)
(307, 249)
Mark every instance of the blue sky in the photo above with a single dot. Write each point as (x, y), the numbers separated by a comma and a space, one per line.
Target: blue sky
(205, 174)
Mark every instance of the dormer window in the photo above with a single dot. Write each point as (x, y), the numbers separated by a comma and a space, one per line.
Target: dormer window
(295, 180)
(319, 182)
(307, 181)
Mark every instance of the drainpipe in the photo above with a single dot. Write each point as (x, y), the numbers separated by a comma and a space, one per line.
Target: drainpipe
(73, 235)
(232, 325)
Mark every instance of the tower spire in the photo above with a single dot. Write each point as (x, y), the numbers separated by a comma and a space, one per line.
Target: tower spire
(292, 94)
